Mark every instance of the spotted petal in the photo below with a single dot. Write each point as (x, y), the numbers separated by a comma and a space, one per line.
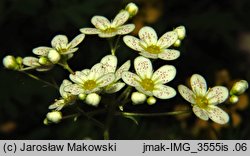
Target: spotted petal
(114, 87)
(74, 89)
(70, 51)
(186, 93)
(59, 40)
(42, 51)
(109, 63)
(130, 78)
(218, 115)
(148, 35)
(106, 79)
(200, 113)
(143, 67)
(96, 71)
(78, 77)
(30, 61)
(164, 74)
(100, 22)
(149, 55)
(90, 31)
(217, 95)
(142, 90)
(164, 92)
(120, 19)
(61, 89)
(125, 29)
(106, 34)
(124, 67)
(132, 42)
(169, 54)
(198, 84)
(57, 105)
(167, 39)
(77, 40)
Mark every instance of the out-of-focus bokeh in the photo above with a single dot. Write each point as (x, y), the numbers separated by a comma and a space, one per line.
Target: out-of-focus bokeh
(217, 46)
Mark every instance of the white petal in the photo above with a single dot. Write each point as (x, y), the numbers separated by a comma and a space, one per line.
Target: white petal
(106, 79)
(217, 115)
(100, 22)
(77, 40)
(143, 67)
(59, 40)
(148, 35)
(114, 87)
(132, 42)
(70, 51)
(90, 31)
(149, 55)
(78, 77)
(186, 93)
(74, 89)
(200, 113)
(217, 94)
(164, 74)
(86, 71)
(43, 51)
(124, 67)
(120, 18)
(169, 54)
(125, 29)
(164, 92)
(198, 84)
(106, 34)
(45, 68)
(58, 104)
(61, 89)
(142, 90)
(130, 78)
(30, 61)
(167, 39)
(96, 71)
(109, 63)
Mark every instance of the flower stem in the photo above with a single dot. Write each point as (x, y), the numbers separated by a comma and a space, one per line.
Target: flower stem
(152, 114)
(113, 46)
(67, 67)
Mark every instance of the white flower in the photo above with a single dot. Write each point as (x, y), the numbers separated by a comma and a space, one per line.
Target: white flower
(93, 99)
(149, 46)
(204, 101)
(66, 98)
(106, 29)
(89, 81)
(34, 62)
(110, 64)
(60, 44)
(149, 83)
(138, 98)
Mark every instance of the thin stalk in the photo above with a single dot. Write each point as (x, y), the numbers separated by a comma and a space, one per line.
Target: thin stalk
(67, 67)
(152, 114)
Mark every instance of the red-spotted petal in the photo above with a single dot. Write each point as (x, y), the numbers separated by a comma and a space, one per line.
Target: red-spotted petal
(74, 89)
(124, 67)
(217, 94)
(100, 22)
(164, 74)
(109, 63)
(120, 19)
(77, 40)
(125, 29)
(200, 113)
(90, 31)
(167, 39)
(186, 93)
(105, 80)
(143, 67)
(130, 78)
(42, 51)
(132, 42)
(59, 40)
(218, 115)
(169, 54)
(198, 84)
(148, 35)
(164, 92)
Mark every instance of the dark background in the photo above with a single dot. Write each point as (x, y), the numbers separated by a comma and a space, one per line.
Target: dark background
(217, 44)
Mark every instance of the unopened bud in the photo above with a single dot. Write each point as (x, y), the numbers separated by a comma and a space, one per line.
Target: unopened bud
(138, 98)
(55, 116)
(19, 60)
(239, 87)
(82, 96)
(181, 32)
(177, 43)
(43, 61)
(234, 99)
(151, 100)
(9, 62)
(132, 9)
(93, 99)
(54, 56)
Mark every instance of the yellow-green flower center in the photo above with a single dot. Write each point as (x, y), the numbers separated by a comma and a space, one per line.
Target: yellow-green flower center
(153, 49)
(89, 85)
(109, 30)
(147, 84)
(201, 101)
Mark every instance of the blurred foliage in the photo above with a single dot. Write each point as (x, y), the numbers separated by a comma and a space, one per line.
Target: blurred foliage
(217, 39)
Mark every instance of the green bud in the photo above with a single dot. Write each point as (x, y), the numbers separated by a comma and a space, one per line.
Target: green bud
(151, 100)
(10, 62)
(43, 61)
(55, 116)
(234, 99)
(177, 43)
(239, 87)
(46, 121)
(82, 96)
(132, 9)
(181, 32)
(19, 60)
(54, 56)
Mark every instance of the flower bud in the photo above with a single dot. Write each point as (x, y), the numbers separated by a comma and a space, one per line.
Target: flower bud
(54, 56)
(54, 116)
(43, 61)
(138, 98)
(9, 62)
(46, 121)
(177, 43)
(239, 87)
(82, 96)
(181, 32)
(93, 99)
(151, 100)
(234, 99)
(132, 9)
(19, 60)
